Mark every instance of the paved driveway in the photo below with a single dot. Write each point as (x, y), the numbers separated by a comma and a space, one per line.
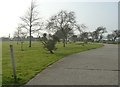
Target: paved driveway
(93, 67)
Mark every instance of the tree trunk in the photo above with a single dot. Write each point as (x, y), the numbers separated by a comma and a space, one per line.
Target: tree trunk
(66, 40)
(21, 46)
(17, 42)
(30, 24)
(114, 39)
(63, 42)
(30, 37)
(51, 52)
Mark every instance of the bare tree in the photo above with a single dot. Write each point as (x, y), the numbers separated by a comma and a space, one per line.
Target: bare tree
(78, 28)
(31, 21)
(81, 28)
(83, 34)
(63, 22)
(116, 34)
(110, 37)
(97, 35)
(20, 35)
(100, 31)
(17, 35)
(23, 36)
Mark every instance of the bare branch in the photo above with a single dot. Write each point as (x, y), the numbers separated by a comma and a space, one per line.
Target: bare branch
(23, 26)
(25, 20)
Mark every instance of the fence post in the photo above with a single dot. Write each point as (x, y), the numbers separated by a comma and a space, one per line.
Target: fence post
(13, 63)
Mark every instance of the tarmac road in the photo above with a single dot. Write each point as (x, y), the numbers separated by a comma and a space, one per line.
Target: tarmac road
(93, 67)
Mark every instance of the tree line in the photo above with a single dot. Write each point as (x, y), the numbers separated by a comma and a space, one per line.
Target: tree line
(62, 25)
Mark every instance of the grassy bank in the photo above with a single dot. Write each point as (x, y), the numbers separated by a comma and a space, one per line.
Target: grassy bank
(33, 60)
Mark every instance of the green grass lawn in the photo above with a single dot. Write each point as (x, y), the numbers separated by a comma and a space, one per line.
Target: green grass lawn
(33, 60)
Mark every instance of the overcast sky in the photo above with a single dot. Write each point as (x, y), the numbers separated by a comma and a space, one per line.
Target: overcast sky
(93, 14)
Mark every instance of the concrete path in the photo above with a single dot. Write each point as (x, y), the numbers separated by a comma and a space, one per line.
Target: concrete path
(93, 67)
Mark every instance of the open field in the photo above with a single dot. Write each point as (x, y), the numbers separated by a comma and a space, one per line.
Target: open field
(33, 60)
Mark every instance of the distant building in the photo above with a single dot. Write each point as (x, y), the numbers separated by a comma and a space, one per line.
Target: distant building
(5, 39)
(16, 39)
(73, 38)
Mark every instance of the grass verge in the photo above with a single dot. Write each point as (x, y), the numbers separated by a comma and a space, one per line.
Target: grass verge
(33, 60)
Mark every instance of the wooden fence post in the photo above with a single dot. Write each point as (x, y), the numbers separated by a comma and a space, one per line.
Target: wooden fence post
(13, 63)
